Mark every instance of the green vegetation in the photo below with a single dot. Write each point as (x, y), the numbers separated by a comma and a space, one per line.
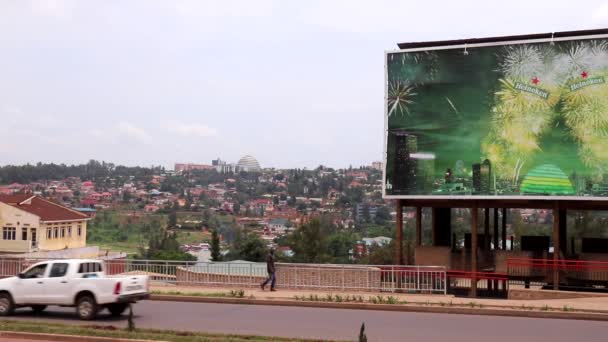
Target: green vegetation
(99, 172)
(110, 228)
(215, 246)
(140, 334)
(248, 246)
(191, 237)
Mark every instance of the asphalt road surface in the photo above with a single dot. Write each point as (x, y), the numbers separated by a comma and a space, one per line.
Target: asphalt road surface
(338, 324)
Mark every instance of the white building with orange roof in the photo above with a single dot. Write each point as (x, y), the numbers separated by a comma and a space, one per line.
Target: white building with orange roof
(31, 223)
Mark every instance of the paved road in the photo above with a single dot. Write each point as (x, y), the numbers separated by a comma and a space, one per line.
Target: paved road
(6, 339)
(339, 324)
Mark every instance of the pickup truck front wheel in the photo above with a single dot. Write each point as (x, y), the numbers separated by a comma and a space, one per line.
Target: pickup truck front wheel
(7, 306)
(117, 309)
(86, 308)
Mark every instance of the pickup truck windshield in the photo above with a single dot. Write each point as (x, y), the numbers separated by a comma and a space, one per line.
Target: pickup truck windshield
(35, 272)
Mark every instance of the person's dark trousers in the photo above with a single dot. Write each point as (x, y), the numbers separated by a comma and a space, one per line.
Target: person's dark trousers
(272, 279)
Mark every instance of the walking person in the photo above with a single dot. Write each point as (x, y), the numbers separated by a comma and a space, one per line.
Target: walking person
(270, 259)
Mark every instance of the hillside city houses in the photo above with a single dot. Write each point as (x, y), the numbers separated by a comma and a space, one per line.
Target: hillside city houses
(51, 215)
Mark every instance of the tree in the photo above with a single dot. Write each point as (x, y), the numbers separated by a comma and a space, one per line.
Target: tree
(339, 245)
(249, 247)
(172, 219)
(366, 215)
(309, 242)
(215, 246)
(126, 196)
(164, 246)
(380, 255)
(382, 215)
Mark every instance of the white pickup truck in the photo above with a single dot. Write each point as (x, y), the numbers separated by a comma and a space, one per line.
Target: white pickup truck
(79, 283)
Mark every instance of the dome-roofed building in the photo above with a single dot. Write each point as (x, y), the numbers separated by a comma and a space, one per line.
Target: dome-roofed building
(249, 164)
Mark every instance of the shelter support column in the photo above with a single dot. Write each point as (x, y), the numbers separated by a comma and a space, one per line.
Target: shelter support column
(495, 234)
(504, 229)
(486, 229)
(563, 232)
(556, 246)
(399, 234)
(418, 226)
(433, 226)
(442, 226)
(474, 250)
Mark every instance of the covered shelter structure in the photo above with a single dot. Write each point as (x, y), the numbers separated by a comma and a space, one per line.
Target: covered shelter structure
(414, 177)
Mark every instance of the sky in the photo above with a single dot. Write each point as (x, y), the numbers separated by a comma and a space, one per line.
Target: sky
(293, 83)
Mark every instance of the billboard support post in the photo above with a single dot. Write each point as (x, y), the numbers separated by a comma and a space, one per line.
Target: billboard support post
(556, 224)
(399, 233)
(563, 232)
(474, 214)
(504, 229)
(495, 234)
(418, 226)
(486, 229)
(433, 226)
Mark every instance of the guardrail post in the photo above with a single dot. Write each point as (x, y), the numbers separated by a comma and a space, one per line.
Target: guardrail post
(445, 282)
(343, 274)
(319, 270)
(167, 273)
(418, 285)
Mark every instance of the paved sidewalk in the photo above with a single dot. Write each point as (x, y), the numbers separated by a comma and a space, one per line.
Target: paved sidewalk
(599, 303)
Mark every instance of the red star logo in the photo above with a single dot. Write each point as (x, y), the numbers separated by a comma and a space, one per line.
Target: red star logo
(535, 80)
(584, 74)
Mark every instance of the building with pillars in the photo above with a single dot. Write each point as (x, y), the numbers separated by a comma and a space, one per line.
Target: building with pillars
(31, 223)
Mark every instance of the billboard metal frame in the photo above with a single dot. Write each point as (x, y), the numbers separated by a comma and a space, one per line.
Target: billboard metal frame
(465, 46)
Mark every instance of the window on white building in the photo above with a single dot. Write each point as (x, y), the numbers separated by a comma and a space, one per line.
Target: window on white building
(49, 233)
(56, 233)
(79, 230)
(24, 234)
(9, 233)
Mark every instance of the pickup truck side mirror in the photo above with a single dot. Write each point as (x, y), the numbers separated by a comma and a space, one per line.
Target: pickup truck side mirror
(21, 276)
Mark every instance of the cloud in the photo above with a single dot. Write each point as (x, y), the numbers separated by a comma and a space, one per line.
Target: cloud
(97, 133)
(136, 133)
(56, 8)
(192, 129)
(600, 15)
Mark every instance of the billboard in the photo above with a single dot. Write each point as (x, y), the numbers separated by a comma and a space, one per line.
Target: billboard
(519, 119)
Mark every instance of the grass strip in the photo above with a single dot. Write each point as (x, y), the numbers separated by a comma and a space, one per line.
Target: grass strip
(141, 334)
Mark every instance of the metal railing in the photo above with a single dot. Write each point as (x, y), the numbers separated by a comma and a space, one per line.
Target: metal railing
(571, 273)
(327, 277)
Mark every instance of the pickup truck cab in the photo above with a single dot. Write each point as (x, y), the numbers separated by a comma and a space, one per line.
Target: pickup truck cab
(77, 283)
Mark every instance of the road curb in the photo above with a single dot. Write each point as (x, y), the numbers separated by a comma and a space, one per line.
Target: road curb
(507, 312)
(65, 338)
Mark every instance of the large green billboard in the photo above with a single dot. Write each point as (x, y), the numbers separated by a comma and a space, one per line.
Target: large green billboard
(498, 120)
